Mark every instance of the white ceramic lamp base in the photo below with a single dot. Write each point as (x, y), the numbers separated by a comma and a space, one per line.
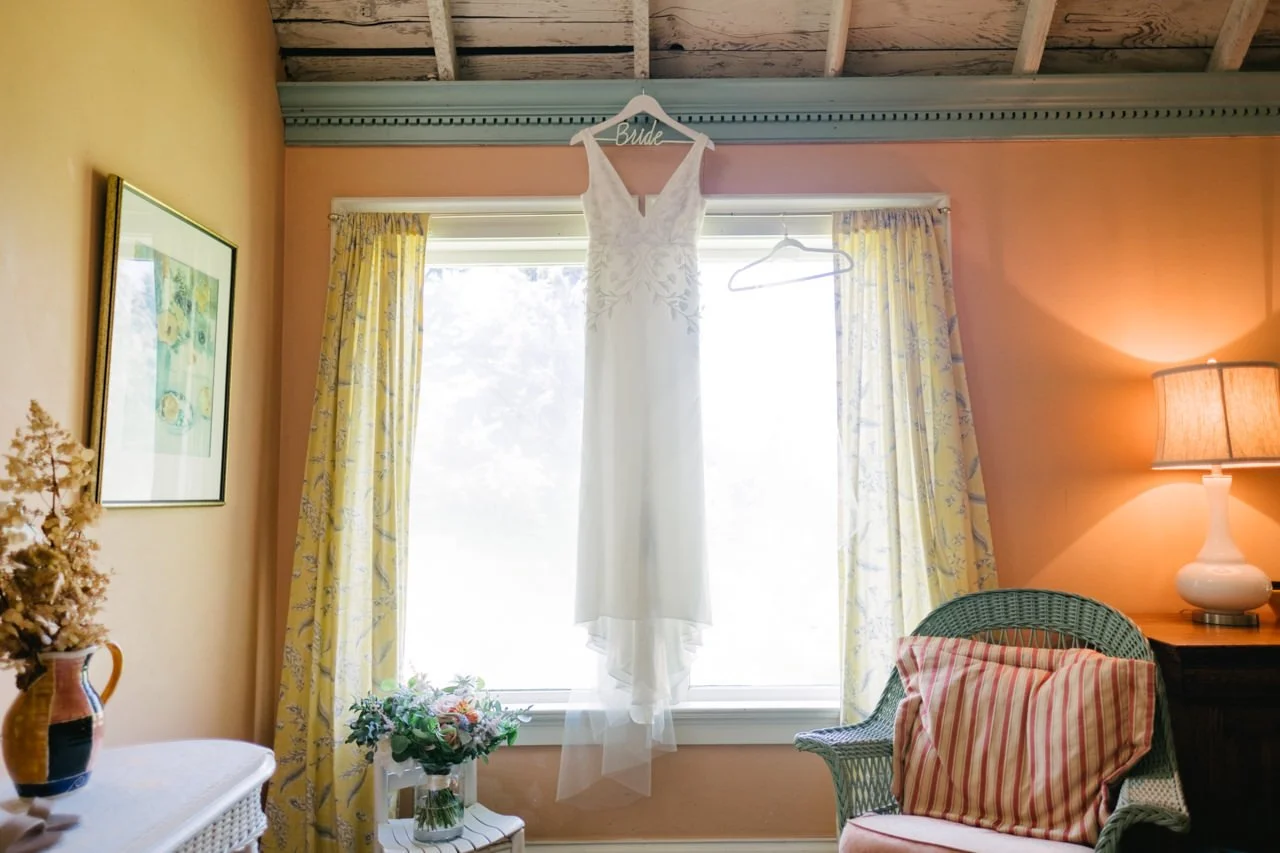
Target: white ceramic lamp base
(1220, 583)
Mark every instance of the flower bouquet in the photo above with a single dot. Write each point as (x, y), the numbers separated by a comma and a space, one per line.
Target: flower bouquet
(441, 728)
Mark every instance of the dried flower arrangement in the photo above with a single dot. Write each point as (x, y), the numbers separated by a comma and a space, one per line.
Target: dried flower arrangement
(50, 589)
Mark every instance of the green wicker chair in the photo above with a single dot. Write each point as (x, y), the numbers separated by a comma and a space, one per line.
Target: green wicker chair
(860, 755)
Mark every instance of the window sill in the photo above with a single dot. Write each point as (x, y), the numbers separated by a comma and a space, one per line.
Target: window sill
(706, 723)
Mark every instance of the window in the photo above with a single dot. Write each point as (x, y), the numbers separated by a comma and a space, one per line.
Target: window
(495, 479)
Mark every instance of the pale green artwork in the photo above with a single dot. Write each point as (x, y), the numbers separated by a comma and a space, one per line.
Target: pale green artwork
(186, 316)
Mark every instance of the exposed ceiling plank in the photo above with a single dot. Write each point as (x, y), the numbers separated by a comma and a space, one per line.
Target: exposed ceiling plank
(1136, 23)
(467, 32)
(1236, 34)
(345, 35)
(582, 66)
(442, 36)
(640, 37)
(807, 24)
(758, 63)
(1035, 29)
(674, 24)
(344, 69)
(1269, 30)
(924, 63)
(706, 25)
(559, 11)
(838, 37)
(351, 69)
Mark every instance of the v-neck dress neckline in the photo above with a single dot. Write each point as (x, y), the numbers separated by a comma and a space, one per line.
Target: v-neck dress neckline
(693, 155)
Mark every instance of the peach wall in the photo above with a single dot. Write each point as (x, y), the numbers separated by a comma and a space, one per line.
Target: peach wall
(180, 99)
(1080, 268)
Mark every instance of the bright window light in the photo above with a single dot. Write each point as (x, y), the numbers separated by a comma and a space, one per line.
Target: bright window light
(493, 534)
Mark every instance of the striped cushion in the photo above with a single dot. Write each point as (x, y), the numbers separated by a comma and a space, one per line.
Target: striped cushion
(1023, 741)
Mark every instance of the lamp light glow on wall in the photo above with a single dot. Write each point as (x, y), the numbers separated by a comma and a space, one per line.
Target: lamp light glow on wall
(1220, 416)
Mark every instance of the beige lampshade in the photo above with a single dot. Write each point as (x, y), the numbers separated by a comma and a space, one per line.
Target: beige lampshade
(1220, 413)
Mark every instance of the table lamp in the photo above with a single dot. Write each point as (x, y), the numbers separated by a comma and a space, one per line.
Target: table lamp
(1219, 415)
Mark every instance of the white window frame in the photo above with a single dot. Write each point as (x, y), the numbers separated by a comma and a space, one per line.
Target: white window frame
(475, 231)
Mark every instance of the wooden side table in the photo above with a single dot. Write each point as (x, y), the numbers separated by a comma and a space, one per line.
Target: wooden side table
(195, 796)
(1224, 698)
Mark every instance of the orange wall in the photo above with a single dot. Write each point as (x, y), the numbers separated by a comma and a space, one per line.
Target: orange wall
(1080, 268)
(179, 98)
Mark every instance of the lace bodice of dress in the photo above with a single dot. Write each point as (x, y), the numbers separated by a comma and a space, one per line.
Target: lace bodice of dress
(656, 250)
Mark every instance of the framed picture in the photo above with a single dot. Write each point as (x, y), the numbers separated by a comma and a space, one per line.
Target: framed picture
(162, 384)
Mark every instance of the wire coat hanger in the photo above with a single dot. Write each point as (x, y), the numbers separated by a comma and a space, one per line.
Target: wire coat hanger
(641, 103)
(788, 242)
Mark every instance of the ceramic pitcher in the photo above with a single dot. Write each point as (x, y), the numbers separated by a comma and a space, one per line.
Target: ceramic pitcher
(53, 730)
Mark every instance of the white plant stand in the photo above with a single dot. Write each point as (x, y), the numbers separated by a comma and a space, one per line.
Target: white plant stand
(482, 829)
(194, 796)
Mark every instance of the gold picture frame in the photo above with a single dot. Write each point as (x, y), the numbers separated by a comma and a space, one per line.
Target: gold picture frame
(162, 382)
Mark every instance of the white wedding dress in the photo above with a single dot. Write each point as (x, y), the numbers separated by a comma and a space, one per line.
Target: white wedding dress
(642, 590)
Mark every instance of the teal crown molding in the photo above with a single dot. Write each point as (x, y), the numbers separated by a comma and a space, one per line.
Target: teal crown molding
(791, 110)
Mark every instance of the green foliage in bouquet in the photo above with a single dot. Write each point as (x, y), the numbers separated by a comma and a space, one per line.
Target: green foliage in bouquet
(437, 727)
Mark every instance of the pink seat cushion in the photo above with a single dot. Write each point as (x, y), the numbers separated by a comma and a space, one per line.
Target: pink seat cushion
(1023, 741)
(912, 834)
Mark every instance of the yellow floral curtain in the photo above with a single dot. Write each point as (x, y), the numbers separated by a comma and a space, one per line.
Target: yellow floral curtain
(345, 601)
(914, 530)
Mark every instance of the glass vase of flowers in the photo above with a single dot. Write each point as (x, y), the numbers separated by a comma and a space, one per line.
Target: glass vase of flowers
(440, 728)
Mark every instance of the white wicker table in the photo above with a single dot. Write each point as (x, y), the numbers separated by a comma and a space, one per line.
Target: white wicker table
(194, 796)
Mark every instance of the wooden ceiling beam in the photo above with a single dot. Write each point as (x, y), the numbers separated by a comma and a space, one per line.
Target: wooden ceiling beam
(640, 37)
(442, 36)
(1035, 30)
(838, 36)
(1238, 30)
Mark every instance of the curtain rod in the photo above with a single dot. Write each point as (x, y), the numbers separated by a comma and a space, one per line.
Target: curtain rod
(941, 208)
(766, 205)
